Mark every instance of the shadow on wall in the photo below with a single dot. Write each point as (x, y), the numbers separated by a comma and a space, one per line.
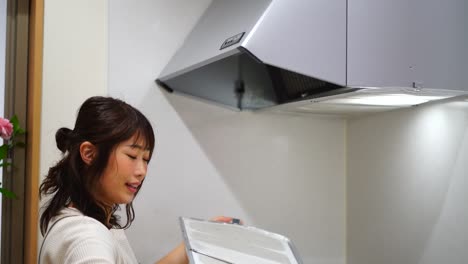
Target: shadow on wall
(447, 243)
(287, 172)
(406, 170)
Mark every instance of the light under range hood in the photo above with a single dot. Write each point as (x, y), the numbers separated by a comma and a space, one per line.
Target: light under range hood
(321, 55)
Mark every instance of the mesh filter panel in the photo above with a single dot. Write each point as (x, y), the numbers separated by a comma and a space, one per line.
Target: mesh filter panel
(292, 86)
(297, 84)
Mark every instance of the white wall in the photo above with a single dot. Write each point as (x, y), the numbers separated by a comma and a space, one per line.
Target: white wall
(282, 173)
(74, 68)
(75, 65)
(407, 186)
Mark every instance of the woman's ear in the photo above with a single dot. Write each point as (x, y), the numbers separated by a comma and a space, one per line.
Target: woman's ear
(87, 152)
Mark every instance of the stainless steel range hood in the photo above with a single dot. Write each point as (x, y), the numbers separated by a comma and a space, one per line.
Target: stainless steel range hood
(254, 54)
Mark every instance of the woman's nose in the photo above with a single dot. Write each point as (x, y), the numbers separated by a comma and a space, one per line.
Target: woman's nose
(140, 169)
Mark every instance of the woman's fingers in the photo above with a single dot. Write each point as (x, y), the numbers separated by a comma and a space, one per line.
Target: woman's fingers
(227, 219)
(223, 219)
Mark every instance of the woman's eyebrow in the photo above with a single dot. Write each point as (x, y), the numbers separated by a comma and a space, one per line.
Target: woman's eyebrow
(136, 146)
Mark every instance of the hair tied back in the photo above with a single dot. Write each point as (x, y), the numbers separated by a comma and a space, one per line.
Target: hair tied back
(63, 137)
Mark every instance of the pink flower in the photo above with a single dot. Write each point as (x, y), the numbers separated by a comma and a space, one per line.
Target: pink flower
(6, 128)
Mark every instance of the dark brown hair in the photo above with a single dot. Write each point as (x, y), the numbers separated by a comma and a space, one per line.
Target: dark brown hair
(105, 122)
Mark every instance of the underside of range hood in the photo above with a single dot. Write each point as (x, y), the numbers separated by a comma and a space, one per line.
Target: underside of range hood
(241, 81)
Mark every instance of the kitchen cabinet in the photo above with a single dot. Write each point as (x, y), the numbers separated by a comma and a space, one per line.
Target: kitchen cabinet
(401, 43)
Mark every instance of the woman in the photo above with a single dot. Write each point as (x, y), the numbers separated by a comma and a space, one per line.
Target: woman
(104, 164)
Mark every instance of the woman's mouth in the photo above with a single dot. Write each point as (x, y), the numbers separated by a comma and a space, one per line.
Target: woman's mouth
(132, 187)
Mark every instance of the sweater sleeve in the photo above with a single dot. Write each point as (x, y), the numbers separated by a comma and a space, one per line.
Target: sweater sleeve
(80, 240)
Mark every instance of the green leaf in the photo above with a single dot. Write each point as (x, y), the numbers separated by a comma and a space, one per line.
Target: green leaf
(14, 120)
(3, 151)
(17, 130)
(8, 194)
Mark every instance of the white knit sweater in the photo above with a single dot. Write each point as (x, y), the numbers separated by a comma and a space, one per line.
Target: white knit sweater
(76, 238)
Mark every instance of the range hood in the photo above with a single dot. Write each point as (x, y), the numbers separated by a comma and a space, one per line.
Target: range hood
(248, 54)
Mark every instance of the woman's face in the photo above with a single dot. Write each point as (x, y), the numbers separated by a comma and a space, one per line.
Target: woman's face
(125, 171)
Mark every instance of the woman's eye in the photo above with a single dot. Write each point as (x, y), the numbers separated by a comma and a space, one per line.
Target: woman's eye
(132, 157)
(146, 160)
